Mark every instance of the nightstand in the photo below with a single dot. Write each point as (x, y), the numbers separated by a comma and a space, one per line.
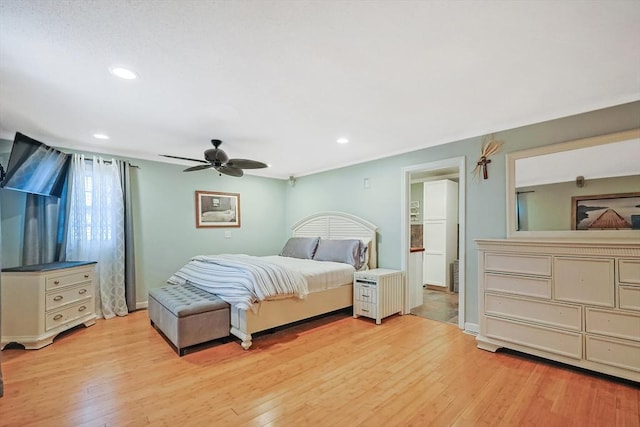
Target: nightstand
(378, 293)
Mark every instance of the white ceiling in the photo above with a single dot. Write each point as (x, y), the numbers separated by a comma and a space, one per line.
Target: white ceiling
(280, 81)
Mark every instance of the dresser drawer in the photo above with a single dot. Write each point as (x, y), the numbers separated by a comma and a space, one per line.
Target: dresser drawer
(520, 285)
(557, 315)
(563, 343)
(365, 309)
(629, 297)
(522, 264)
(619, 324)
(365, 293)
(58, 281)
(622, 354)
(73, 312)
(68, 295)
(584, 280)
(629, 271)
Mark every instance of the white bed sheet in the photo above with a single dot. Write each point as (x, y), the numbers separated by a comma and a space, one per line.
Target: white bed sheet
(320, 275)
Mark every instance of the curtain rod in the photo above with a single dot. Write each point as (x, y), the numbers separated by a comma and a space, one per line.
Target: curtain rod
(109, 161)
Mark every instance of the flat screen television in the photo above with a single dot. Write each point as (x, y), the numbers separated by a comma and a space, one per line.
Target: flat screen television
(35, 167)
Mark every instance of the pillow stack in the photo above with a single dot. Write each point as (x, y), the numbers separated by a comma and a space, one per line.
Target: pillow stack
(348, 251)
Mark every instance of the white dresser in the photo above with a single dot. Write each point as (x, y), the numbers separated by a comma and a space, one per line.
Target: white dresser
(570, 301)
(40, 301)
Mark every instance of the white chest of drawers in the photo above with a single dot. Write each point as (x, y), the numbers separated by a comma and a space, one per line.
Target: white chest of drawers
(39, 302)
(573, 302)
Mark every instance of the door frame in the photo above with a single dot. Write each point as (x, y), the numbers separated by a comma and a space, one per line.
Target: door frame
(405, 225)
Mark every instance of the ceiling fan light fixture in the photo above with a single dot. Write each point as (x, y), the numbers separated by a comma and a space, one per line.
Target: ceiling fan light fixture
(123, 73)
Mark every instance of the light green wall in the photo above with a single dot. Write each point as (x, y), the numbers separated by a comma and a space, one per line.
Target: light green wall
(548, 207)
(165, 219)
(343, 189)
(165, 231)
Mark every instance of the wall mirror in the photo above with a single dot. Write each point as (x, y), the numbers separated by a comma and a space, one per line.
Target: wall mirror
(588, 188)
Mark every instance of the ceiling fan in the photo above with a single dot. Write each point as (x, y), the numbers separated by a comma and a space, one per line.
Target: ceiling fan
(217, 159)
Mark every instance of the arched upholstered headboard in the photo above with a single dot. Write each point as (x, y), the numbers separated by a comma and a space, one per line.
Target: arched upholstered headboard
(339, 225)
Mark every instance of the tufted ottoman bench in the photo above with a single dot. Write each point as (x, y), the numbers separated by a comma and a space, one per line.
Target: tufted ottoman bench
(187, 315)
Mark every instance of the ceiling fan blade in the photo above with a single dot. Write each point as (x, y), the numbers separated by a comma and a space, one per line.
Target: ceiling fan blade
(197, 168)
(230, 170)
(246, 164)
(184, 158)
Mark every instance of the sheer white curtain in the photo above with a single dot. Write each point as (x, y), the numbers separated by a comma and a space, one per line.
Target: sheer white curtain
(96, 228)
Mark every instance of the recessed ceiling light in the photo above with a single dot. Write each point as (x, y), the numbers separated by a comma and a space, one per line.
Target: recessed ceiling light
(342, 140)
(123, 73)
(100, 136)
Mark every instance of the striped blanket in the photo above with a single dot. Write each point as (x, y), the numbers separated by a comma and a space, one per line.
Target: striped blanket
(241, 280)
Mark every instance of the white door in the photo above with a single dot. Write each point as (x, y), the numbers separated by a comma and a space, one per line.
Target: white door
(434, 252)
(415, 280)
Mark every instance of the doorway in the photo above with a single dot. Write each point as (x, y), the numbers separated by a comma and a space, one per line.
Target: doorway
(438, 303)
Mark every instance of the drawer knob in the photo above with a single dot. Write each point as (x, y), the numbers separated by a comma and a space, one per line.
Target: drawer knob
(58, 298)
(365, 296)
(364, 309)
(57, 317)
(82, 291)
(86, 276)
(56, 282)
(82, 308)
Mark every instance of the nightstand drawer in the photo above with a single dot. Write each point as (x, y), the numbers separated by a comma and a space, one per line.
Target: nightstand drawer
(366, 309)
(53, 282)
(366, 294)
(68, 296)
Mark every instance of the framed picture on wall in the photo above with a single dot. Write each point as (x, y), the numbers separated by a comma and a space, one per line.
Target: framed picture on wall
(619, 211)
(217, 209)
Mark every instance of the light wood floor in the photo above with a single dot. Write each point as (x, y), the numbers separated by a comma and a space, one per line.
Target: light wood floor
(337, 371)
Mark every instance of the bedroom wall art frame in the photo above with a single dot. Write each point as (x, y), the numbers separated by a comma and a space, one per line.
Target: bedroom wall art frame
(215, 209)
(617, 211)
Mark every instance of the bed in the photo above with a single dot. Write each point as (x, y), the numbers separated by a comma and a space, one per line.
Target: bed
(330, 293)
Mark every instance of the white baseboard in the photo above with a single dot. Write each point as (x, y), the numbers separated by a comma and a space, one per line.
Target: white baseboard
(471, 328)
(142, 304)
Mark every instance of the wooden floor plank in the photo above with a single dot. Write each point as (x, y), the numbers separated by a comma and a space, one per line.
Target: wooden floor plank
(336, 370)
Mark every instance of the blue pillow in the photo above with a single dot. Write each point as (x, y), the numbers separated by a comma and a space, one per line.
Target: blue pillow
(300, 247)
